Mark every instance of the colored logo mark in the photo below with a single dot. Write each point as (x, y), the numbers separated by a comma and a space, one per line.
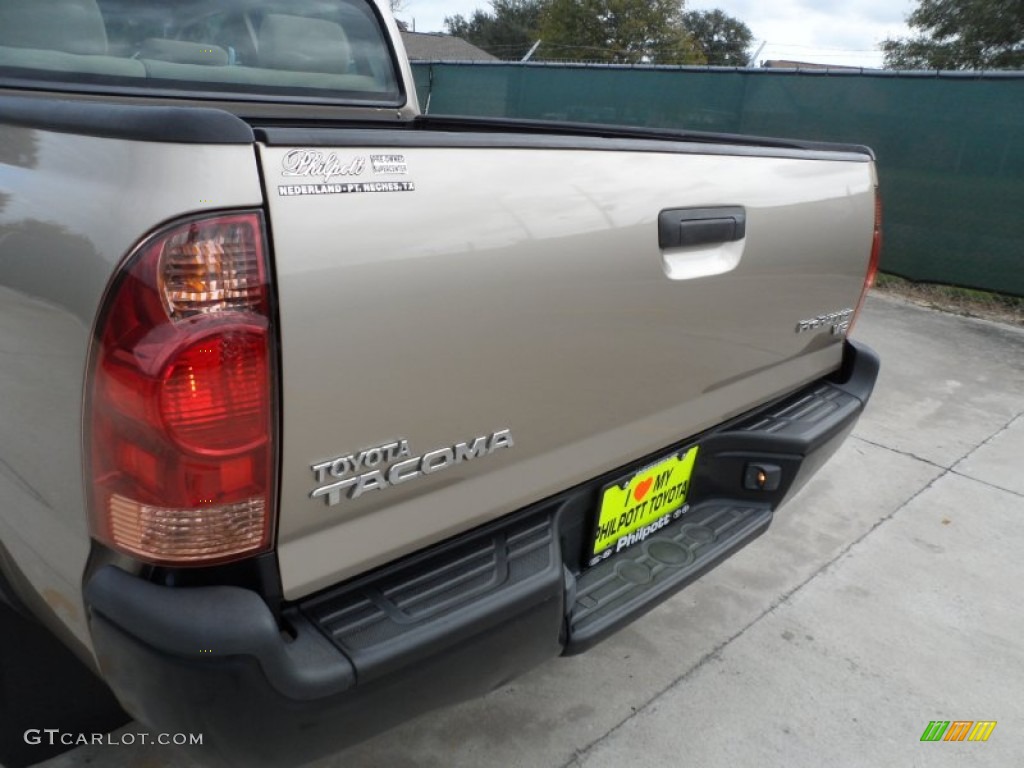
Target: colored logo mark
(958, 730)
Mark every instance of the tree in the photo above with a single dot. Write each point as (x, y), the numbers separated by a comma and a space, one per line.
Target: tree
(397, 7)
(508, 31)
(723, 38)
(617, 31)
(961, 34)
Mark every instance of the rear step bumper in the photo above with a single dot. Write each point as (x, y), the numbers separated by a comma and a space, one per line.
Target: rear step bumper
(453, 621)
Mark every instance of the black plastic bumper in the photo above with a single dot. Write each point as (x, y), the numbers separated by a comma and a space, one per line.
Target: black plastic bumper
(454, 621)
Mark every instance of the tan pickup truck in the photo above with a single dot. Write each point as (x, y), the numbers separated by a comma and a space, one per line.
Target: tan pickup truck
(318, 412)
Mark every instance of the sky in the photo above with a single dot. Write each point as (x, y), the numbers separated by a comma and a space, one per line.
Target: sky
(838, 32)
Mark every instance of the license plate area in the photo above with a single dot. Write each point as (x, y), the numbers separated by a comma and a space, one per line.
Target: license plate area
(640, 504)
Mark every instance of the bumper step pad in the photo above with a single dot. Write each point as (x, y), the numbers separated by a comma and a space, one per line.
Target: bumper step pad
(805, 412)
(625, 585)
(381, 622)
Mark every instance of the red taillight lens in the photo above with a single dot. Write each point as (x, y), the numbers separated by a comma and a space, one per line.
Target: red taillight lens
(214, 396)
(182, 397)
(876, 253)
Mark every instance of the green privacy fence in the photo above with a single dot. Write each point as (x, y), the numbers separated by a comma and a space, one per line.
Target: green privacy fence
(950, 146)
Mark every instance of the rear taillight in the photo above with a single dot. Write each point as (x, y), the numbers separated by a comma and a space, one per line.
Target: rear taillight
(876, 253)
(182, 399)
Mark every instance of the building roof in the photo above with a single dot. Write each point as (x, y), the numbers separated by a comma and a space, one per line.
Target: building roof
(434, 46)
(787, 64)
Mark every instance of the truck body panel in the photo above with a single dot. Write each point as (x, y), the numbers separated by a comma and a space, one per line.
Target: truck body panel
(71, 207)
(542, 304)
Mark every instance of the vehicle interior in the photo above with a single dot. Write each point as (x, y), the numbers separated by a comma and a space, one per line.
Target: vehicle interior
(248, 46)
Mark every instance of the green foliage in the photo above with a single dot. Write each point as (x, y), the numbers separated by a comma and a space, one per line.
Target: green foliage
(617, 31)
(724, 39)
(507, 31)
(961, 34)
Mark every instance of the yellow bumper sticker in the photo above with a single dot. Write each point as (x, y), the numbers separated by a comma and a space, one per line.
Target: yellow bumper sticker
(647, 503)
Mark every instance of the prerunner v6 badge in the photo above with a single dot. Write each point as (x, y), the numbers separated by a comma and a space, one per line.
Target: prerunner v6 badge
(324, 169)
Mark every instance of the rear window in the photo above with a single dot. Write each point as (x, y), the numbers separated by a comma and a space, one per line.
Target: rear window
(333, 50)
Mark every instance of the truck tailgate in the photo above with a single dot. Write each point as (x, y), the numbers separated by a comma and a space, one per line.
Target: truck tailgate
(432, 296)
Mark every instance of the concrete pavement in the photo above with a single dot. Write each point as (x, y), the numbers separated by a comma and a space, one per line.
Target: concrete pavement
(885, 595)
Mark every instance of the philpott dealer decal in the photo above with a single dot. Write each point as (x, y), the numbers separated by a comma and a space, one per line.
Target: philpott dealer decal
(287, 190)
(325, 168)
